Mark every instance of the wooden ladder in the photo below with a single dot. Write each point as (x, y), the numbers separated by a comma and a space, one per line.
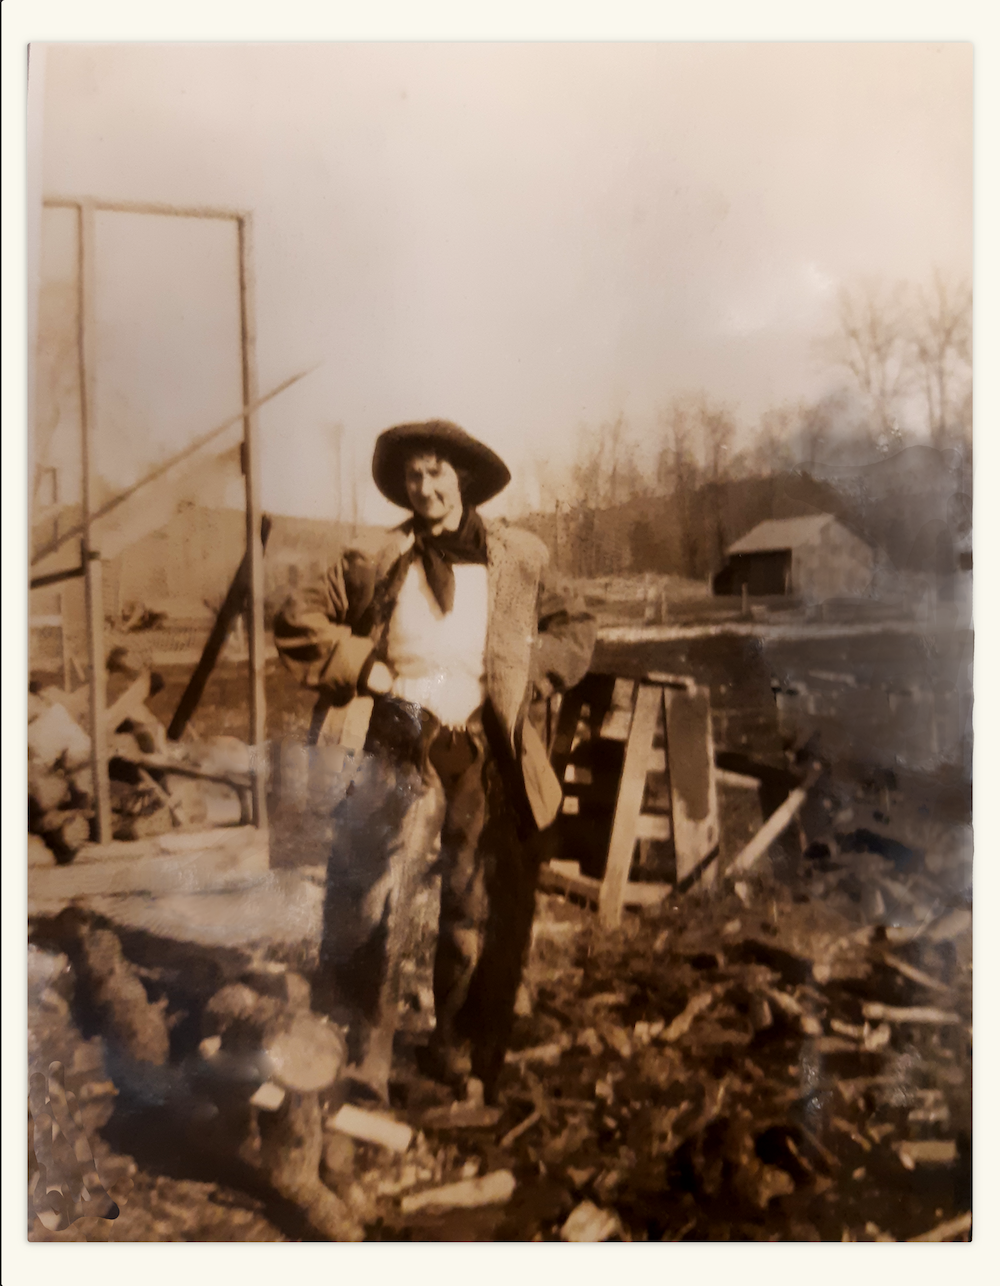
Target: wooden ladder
(662, 784)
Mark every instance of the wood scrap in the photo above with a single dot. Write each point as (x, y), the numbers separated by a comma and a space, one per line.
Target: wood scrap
(492, 1189)
(949, 1230)
(878, 1012)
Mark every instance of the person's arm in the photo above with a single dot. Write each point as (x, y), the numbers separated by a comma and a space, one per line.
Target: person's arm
(567, 633)
(314, 638)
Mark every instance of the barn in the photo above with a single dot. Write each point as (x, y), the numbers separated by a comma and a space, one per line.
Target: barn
(813, 558)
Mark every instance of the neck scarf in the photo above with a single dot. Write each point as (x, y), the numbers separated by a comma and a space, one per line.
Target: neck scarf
(440, 553)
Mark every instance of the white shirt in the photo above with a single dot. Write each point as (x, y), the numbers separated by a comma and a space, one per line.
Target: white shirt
(440, 658)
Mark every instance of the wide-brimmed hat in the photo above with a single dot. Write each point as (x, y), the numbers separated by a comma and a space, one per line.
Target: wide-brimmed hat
(486, 473)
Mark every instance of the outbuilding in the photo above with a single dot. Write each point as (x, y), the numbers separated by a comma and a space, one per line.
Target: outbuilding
(814, 558)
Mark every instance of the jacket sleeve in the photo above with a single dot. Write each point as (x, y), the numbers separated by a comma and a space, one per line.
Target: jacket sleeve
(313, 634)
(567, 633)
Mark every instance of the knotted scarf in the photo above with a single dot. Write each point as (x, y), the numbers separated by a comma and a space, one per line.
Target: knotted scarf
(438, 555)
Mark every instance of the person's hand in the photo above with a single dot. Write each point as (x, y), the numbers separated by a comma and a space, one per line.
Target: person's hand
(379, 680)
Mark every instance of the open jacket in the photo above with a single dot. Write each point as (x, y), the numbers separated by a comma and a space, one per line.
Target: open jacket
(539, 640)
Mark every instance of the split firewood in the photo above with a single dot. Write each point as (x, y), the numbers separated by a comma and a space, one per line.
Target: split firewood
(681, 1025)
(46, 789)
(916, 1014)
(914, 975)
(590, 1223)
(492, 1189)
(461, 1116)
(64, 832)
(522, 1128)
(949, 1230)
(56, 737)
(39, 853)
(914, 1152)
(372, 1127)
(810, 1025)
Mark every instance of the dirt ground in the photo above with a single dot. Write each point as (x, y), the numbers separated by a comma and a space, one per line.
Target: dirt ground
(719, 1069)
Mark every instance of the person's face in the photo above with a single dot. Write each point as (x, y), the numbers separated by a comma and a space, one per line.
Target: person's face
(433, 488)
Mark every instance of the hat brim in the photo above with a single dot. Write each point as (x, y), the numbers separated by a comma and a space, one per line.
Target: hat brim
(486, 473)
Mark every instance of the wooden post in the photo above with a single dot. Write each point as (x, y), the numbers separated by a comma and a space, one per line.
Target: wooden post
(255, 549)
(649, 702)
(67, 685)
(90, 558)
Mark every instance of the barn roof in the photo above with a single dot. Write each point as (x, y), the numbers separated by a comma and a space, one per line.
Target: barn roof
(781, 533)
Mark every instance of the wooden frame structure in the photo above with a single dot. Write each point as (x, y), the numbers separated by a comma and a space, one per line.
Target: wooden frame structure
(90, 559)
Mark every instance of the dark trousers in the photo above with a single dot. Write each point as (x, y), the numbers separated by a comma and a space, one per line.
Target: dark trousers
(426, 799)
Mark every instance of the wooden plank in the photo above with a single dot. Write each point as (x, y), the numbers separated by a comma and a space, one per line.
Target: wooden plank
(255, 550)
(648, 709)
(653, 826)
(134, 696)
(768, 833)
(691, 765)
(565, 877)
(240, 855)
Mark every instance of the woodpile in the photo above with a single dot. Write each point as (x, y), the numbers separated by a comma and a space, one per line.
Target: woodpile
(156, 785)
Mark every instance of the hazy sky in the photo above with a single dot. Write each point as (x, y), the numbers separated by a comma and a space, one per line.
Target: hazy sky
(523, 238)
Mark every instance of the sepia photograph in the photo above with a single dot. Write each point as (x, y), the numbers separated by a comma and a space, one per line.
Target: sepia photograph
(500, 642)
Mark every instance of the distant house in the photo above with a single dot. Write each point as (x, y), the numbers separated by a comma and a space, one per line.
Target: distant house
(814, 558)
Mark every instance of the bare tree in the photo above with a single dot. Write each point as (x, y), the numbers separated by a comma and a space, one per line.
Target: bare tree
(873, 342)
(677, 473)
(772, 450)
(941, 331)
(717, 433)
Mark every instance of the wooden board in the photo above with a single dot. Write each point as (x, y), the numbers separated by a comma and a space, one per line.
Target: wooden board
(624, 832)
(693, 795)
(176, 862)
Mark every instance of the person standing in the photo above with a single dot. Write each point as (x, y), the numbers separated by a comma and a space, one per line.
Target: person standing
(455, 628)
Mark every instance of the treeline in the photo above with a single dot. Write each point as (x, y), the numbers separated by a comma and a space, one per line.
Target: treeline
(888, 453)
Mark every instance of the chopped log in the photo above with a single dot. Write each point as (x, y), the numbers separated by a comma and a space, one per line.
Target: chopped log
(372, 1127)
(39, 853)
(306, 1054)
(46, 790)
(65, 833)
(291, 1148)
(129, 1019)
(55, 736)
(492, 1189)
(876, 1012)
